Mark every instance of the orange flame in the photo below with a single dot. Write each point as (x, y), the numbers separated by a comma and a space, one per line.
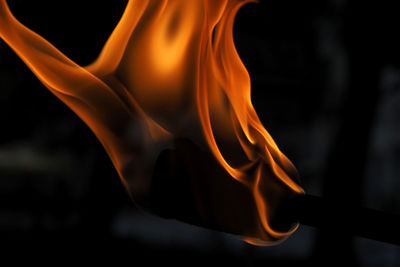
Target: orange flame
(170, 69)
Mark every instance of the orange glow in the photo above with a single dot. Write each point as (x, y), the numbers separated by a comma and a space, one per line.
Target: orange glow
(170, 70)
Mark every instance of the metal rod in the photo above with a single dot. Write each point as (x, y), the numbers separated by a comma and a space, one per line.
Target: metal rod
(346, 219)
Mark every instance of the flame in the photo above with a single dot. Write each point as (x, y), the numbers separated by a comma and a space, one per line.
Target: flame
(170, 69)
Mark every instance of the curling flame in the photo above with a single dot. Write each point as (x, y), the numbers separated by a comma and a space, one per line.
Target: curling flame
(170, 69)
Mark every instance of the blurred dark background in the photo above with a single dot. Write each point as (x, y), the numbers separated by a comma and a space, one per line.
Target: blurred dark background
(325, 82)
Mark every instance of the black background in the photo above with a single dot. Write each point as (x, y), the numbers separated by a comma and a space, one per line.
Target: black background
(325, 82)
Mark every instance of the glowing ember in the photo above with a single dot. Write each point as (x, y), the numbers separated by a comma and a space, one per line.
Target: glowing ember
(170, 71)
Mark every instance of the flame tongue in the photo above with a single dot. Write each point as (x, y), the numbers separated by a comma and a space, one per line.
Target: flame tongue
(170, 71)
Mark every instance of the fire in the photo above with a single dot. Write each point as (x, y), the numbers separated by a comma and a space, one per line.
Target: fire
(170, 71)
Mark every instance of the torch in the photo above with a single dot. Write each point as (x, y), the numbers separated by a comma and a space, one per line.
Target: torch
(169, 99)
